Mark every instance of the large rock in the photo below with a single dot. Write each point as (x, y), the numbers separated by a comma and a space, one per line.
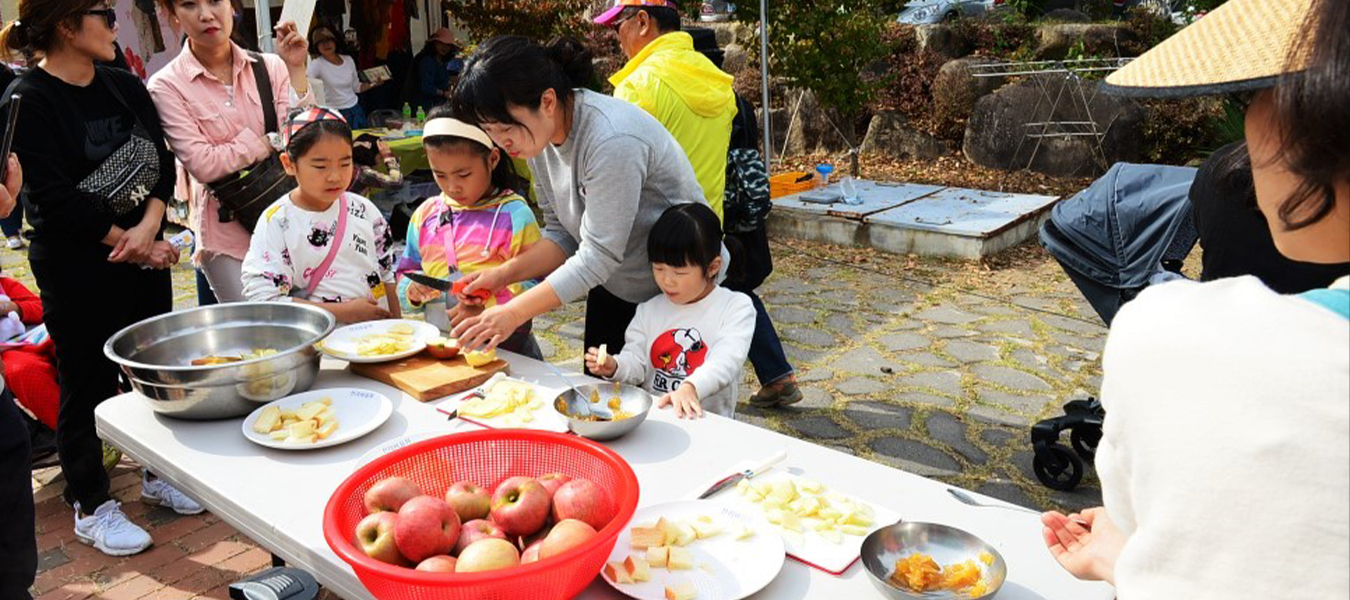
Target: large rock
(814, 129)
(941, 39)
(996, 135)
(956, 88)
(890, 134)
(1055, 41)
(735, 58)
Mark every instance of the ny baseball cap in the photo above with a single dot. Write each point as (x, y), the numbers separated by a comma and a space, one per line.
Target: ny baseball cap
(611, 14)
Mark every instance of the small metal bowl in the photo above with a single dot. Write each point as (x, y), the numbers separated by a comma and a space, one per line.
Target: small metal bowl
(947, 545)
(634, 401)
(156, 355)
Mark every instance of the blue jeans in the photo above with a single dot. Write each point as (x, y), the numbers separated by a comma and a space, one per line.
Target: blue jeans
(355, 116)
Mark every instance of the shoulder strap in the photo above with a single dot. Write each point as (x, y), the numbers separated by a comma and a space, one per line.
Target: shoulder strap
(265, 93)
(339, 238)
(1333, 299)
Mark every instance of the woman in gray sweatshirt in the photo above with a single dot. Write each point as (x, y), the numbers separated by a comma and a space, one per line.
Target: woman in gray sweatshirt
(604, 171)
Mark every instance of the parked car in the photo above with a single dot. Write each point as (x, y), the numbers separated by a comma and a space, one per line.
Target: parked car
(923, 12)
(716, 11)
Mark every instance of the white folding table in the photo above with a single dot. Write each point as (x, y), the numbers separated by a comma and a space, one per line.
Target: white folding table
(277, 497)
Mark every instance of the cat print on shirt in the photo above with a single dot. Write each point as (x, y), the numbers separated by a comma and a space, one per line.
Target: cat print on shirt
(675, 355)
(319, 237)
(373, 280)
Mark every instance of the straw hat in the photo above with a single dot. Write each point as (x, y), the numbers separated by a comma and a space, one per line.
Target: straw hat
(1241, 46)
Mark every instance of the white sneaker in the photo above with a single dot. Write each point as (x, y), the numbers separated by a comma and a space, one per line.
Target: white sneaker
(14, 242)
(109, 531)
(157, 492)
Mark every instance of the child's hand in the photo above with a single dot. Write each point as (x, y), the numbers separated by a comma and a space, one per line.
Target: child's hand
(358, 311)
(594, 366)
(421, 294)
(685, 401)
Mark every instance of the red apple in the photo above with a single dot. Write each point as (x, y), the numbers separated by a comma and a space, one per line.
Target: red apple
(390, 494)
(584, 500)
(443, 348)
(487, 555)
(427, 526)
(565, 536)
(537, 536)
(438, 564)
(520, 506)
(375, 537)
(531, 553)
(469, 500)
(478, 529)
(553, 481)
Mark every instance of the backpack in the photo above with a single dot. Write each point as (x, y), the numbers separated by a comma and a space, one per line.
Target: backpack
(745, 203)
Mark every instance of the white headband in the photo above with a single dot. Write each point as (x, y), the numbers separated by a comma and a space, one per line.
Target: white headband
(457, 128)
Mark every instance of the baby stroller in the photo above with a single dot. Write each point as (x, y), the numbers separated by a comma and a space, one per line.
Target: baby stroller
(1130, 229)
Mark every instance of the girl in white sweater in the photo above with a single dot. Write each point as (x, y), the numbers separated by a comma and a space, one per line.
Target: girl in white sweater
(687, 345)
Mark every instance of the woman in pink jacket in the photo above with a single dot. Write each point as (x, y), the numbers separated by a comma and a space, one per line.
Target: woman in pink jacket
(208, 99)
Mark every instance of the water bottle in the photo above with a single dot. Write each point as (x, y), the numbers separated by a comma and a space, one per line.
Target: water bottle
(407, 116)
(823, 171)
(421, 117)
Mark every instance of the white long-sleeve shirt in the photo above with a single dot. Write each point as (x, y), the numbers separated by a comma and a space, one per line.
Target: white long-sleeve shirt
(704, 343)
(1226, 443)
(290, 243)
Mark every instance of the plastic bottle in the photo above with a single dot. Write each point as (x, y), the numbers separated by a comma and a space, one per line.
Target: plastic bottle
(421, 117)
(823, 171)
(407, 116)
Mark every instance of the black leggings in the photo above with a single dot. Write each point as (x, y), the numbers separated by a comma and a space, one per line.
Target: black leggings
(607, 319)
(18, 542)
(84, 303)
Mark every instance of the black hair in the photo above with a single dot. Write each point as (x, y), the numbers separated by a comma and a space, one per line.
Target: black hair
(1313, 116)
(301, 141)
(366, 150)
(689, 235)
(504, 176)
(339, 42)
(512, 70)
(666, 18)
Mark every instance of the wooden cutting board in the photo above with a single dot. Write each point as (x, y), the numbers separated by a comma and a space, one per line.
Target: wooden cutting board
(425, 377)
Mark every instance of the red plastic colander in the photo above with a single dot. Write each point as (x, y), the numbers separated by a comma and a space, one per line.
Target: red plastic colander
(485, 458)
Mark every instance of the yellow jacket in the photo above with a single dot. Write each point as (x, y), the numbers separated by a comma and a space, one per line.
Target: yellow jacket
(691, 97)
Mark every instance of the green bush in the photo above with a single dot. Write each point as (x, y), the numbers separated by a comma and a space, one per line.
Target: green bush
(541, 20)
(1179, 131)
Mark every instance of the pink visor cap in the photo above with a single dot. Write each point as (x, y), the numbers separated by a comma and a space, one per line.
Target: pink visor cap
(611, 14)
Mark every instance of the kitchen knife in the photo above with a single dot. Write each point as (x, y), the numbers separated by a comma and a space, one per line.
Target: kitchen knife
(746, 474)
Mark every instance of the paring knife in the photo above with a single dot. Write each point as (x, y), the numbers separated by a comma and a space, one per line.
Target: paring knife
(435, 283)
(746, 474)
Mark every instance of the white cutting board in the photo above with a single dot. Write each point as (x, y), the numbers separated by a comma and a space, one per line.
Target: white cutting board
(809, 547)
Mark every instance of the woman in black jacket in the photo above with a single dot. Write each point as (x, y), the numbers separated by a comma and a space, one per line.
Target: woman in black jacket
(97, 252)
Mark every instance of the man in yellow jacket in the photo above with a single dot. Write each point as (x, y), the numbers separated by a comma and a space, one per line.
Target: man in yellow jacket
(678, 85)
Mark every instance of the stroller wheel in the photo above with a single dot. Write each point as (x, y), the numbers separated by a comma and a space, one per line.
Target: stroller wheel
(1084, 439)
(1057, 468)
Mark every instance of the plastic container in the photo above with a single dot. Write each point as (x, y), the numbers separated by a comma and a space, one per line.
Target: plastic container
(407, 116)
(823, 171)
(784, 184)
(485, 458)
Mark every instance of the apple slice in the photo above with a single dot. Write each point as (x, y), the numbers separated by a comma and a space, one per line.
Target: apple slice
(638, 569)
(854, 530)
(681, 591)
(643, 538)
(669, 529)
(681, 559)
(744, 533)
(616, 572)
(792, 521)
(685, 534)
(706, 530)
(658, 556)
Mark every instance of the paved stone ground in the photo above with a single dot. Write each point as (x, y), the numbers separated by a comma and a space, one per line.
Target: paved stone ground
(935, 367)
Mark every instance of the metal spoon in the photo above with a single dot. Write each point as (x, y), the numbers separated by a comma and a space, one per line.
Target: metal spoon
(578, 405)
(968, 499)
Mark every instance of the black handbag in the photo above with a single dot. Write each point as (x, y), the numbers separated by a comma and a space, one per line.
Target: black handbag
(243, 196)
(126, 177)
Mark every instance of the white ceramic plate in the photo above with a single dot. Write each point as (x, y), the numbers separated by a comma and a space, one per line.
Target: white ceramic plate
(724, 567)
(542, 417)
(358, 412)
(342, 343)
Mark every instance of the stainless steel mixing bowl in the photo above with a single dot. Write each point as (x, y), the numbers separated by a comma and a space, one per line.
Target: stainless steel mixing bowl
(633, 401)
(947, 545)
(157, 353)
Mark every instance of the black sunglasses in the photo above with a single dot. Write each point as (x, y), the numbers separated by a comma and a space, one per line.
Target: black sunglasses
(109, 15)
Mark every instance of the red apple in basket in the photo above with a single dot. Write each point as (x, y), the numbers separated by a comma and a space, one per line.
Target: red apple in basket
(438, 564)
(487, 555)
(477, 529)
(375, 537)
(427, 526)
(584, 500)
(520, 506)
(553, 481)
(531, 553)
(565, 536)
(469, 500)
(390, 494)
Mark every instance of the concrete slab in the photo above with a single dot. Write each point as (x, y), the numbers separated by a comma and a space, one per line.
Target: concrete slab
(872, 196)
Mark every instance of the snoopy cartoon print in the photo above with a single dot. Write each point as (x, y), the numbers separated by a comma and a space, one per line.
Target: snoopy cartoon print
(675, 355)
